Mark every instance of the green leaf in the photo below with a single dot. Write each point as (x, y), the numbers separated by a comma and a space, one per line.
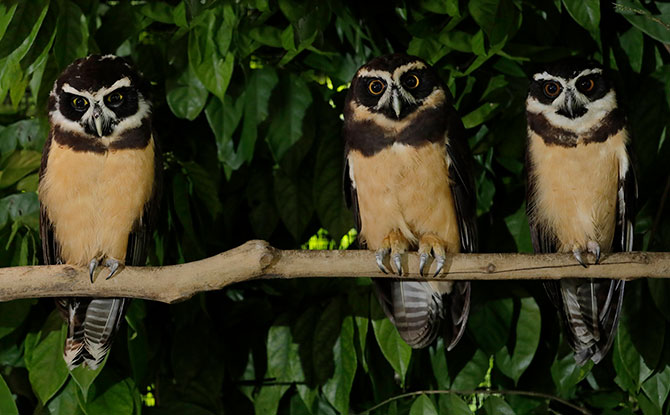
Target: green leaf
(629, 365)
(655, 25)
(632, 42)
(660, 293)
(566, 373)
(267, 400)
(12, 314)
(657, 387)
(338, 387)
(27, 134)
(293, 197)
(473, 373)
(7, 404)
(586, 13)
(71, 34)
(452, 404)
(84, 377)
(262, 211)
(494, 405)
(17, 165)
(65, 402)
(160, 12)
(47, 371)
(517, 224)
(480, 115)
(498, 18)
(326, 334)
(7, 11)
(395, 350)
(514, 362)
(491, 324)
(256, 102)
(286, 125)
(110, 394)
(423, 406)
(188, 96)
(20, 208)
(205, 187)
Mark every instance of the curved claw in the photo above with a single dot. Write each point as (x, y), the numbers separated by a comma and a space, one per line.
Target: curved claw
(380, 254)
(91, 268)
(578, 257)
(422, 262)
(113, 267)
(439, 260)
(398, 263)
(594, 248)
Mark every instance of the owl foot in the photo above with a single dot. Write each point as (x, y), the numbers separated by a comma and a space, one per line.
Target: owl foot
(91, 267)
(428, 243)
(592, 247)
(380, 255)
(398, 245)
(113, 265)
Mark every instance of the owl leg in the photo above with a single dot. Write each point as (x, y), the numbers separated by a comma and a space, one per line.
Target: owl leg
(92, 266)
(113, 265)
(591, 246)
(395, 244)
(594, 248)
(427, 243)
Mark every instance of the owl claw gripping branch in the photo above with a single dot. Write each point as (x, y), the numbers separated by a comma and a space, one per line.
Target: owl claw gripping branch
(98, 190)
(408, 181)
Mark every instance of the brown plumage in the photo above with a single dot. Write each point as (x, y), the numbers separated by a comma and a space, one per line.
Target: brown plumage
(408, 180)
(581, 193)
(99, 189)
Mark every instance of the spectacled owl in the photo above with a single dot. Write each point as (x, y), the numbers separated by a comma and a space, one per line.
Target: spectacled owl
(98, 189)
(408, 180)
(581, 193)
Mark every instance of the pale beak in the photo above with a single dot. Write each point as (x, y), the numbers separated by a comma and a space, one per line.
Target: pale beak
(396, 104)
(97, 119)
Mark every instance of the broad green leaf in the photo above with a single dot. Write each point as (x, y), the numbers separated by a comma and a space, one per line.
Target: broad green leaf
(7, 404)
(72, 34)
(566, 373)
(498, 18)
(517, 224)
(632, 42)
(65, 402)
(528, 325)
(480, 115)
(326, 334)
(491, 324)
(473, 373)
(267, 399)
(452, 404)
(423, 406)
(267, 35)
(7, 11)
(655, 25)
(44, 358)
(256, 102)
(262, 211)
(660, 293)
(158, 11)
(629, 365)
(395, 350)
(17, 165)
(27, 134)
(294, 202)
(12, 315)
(494, 405)
(110, 394)
(22, 29)
(20, 208)
(586, 13)
(657, 387)
(338, 388)
(223, 118)
(286, 125)
(188, 96)
(83, 377)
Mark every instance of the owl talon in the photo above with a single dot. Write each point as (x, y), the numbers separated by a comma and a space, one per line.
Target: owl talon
(91, 268)
(594, 248)
(578, 256)
(113, 265)
(398, 263)
(422, 262)
(380, 254)
(439, 260)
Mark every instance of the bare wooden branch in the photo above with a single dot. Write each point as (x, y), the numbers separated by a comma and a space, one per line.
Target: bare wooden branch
(257, 259)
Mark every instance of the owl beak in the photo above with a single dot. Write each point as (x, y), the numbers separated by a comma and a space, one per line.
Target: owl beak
(571, 108)
(396, 104)
(97, 119)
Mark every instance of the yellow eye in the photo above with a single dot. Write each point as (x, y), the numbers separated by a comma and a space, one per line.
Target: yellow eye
(586, 85)
(114, 99)
(79, 103)
(552, 89)
(376, 87)
(412, 81)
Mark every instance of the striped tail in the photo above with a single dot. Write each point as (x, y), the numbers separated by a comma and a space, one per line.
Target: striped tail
(92, 324)
(417, 309)
(591, 316)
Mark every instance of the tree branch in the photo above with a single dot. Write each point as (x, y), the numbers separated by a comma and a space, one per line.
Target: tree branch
(257, 259)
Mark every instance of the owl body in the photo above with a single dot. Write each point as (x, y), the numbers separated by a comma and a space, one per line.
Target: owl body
(408, 181)
(581, 193)
(98, 190)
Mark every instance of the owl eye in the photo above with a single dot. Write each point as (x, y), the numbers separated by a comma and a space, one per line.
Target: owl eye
(586, 85)
(551, 89)
(412, 81)
(114, 99)
(79, 103)
(376, 87)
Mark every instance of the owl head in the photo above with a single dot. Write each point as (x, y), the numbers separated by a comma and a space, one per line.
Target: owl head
(394, 87)
(99, 97)
(571, 93)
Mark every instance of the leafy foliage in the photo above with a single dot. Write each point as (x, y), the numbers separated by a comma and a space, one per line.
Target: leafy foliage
(247, 102)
